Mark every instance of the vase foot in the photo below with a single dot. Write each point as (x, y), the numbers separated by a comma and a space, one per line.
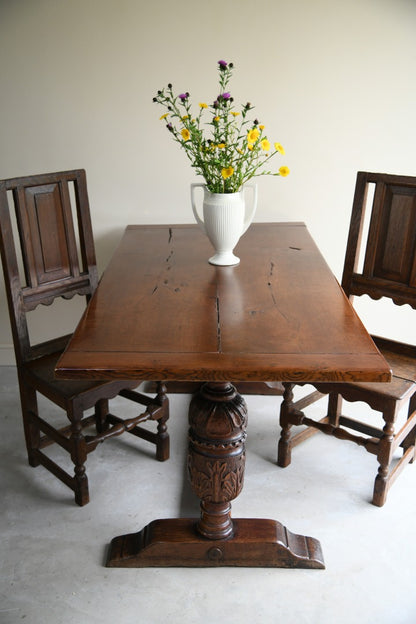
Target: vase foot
(224, 258)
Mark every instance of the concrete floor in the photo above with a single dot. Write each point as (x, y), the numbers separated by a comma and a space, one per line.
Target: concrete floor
(52, 552)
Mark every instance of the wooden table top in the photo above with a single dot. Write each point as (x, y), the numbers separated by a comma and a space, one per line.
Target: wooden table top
(161, 311)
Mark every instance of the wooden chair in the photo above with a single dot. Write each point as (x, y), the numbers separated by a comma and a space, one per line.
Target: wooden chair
(47, 251)
(389, 270)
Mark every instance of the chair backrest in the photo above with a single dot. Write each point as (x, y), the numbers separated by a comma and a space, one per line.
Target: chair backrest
(382, 261)
(47, 248)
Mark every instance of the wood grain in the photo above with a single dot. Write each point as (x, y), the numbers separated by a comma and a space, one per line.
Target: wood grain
(162, 312)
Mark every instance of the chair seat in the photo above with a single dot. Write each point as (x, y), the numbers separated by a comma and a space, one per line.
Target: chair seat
(403, 383)
(42, 372)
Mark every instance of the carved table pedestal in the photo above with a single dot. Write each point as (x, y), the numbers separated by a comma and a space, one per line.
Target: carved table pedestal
(216, 460)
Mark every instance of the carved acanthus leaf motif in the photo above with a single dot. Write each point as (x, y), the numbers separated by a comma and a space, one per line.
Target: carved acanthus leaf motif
(220, 482)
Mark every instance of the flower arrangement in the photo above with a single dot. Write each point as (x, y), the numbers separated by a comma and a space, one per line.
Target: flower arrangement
(237, 148)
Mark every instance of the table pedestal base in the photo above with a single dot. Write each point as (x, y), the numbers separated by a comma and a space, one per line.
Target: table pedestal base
(216, 460)
(176, 543)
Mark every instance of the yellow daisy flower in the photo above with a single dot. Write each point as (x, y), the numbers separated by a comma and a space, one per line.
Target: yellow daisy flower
(261, 127)
(216, 119)
(279, 148)
(253, 135)
(221, 145)
(284, 171)
(186, 135)
(203, 105)
(234, 113)
(164, 116)
(227, 172)
(265, 145)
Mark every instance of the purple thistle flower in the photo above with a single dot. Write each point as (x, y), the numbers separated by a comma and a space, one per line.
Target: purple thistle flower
(224, 96)
(183, 96)
(222, 64)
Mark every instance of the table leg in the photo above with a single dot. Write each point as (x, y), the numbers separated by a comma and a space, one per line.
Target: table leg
(217, 433)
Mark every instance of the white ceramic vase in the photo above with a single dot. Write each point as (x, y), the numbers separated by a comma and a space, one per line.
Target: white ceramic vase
(225, 218)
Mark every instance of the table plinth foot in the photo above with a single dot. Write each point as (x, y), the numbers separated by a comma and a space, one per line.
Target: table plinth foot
(176, 543)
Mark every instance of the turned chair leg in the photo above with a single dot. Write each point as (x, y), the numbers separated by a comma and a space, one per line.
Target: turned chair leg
(162, 443)
(162, 437)
(384, 456)
(79, 457)
(284, 449)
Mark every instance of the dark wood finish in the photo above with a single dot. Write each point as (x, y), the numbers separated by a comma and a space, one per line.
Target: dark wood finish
(216, 461)
(266, 319)
(255, 543)
(389, 270)
(218, 418)
(49, 253)
(271, 388)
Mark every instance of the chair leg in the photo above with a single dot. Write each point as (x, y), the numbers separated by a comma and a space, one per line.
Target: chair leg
(410, 439)
(79, 457)
(162, 437)
(100, 412)
(284, 449)
(334, 408)
(32, 433)
(384, 457)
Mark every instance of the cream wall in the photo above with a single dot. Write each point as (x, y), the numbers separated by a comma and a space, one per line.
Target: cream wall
(333, 81)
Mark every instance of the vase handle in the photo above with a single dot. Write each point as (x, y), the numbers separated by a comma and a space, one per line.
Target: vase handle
(194, 207)
(250, 211)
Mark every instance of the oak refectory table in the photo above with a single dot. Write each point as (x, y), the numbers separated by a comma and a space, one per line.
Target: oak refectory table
(162, 312)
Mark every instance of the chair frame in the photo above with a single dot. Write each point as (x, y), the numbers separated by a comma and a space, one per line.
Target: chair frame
(389, 270)
(57, 264)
